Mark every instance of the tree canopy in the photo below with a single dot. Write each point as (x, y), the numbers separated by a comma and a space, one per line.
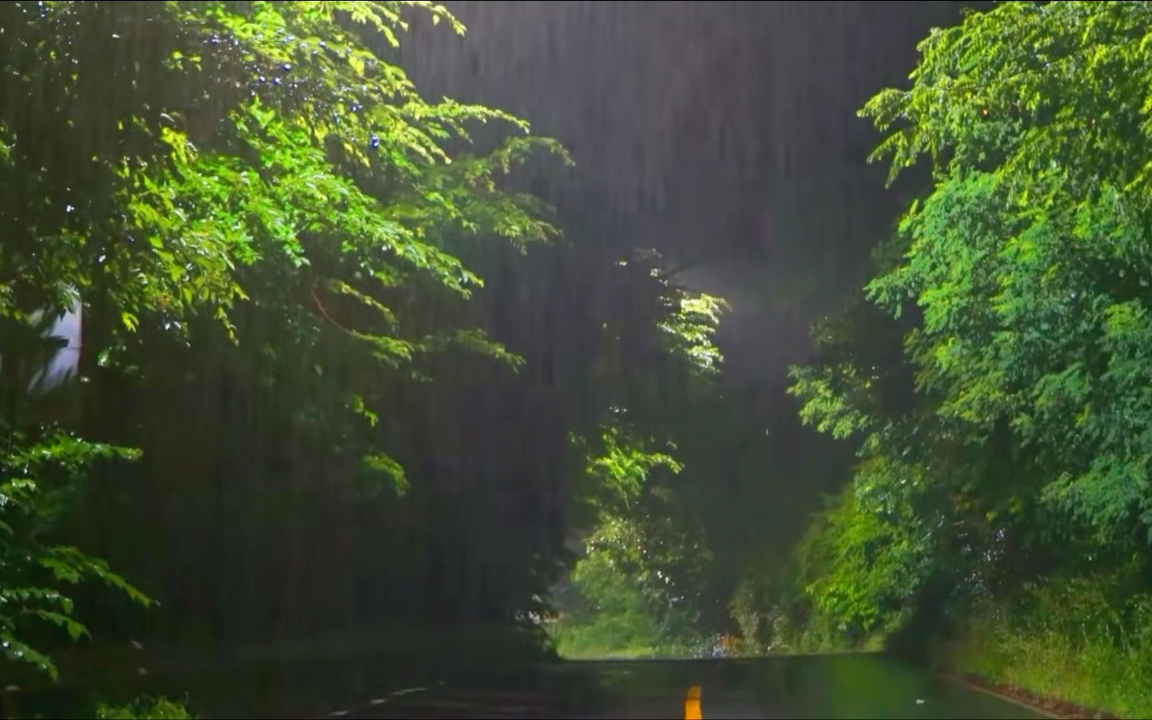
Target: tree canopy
(995, 368)
(318, 316)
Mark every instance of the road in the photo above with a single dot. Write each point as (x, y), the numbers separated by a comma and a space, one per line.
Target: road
(827, 686)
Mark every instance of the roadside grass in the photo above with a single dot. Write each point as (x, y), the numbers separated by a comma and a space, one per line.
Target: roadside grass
(1067, 642)
(606, 637)
(157, 708)
(626, 636)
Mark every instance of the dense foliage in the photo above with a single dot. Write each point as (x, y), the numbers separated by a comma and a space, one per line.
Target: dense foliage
(240, 177)
(339, 371)
(992, 377)
(995, 373)
(637, 585)
(343, 370)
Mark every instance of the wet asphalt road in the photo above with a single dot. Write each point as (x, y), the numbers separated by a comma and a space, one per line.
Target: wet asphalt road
(827, 686)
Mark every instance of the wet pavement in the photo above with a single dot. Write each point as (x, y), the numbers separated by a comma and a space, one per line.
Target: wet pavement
(825, 686)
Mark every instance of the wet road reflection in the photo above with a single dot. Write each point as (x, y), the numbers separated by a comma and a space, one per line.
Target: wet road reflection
(829, 686)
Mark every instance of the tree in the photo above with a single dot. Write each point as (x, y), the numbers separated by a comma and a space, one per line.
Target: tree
(999, 409)
(221, 183)
(640, 580)
(1027, 258)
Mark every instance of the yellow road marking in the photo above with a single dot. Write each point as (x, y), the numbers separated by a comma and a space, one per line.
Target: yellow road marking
(692, 704)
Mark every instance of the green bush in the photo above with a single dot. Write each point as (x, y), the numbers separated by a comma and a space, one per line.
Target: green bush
(1069, 639)
(152, 708)
(630, 634)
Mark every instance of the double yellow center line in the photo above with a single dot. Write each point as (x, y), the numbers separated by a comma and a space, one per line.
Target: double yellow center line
(692, 704)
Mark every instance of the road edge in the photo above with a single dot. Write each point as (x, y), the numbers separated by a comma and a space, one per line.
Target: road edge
(1028, 700)
(966, 682)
